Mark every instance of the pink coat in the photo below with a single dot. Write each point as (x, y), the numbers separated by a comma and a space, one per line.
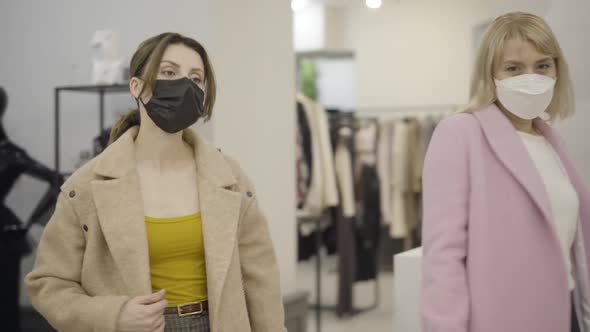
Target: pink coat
(492, 259)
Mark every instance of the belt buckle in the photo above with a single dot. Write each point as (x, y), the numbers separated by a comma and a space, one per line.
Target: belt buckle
(179, 310)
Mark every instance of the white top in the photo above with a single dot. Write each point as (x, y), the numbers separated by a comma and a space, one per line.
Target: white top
(562, 195)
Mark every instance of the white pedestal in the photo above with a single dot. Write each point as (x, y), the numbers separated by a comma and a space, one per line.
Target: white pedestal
(406, 291)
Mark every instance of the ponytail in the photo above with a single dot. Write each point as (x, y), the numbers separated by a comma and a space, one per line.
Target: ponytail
(128, 120)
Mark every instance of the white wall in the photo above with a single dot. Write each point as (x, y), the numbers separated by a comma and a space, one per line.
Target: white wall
(255, 122)
(46, 44)
(413, 52)
(337, 82)
(309, 27)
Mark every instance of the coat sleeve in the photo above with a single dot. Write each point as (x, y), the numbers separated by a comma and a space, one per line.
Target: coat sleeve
(260, 270)
(54, 283)
(445, 296)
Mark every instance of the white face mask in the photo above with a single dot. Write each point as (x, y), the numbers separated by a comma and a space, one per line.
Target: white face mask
(526, 96)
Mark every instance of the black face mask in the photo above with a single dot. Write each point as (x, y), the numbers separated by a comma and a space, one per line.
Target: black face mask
(175, 104)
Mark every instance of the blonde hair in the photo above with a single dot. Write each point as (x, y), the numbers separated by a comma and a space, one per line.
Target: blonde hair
(526, 27)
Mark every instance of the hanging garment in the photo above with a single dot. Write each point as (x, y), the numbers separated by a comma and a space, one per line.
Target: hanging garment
(303, 156)
(414, 176)
(344, 173)
(300, 170)
(304, 130)
(399, 180)
(384, 169)
(322, 191)
(365, 145)
(368, 227)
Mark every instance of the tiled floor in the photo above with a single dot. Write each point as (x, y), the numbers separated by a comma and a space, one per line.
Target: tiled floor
(376, 320)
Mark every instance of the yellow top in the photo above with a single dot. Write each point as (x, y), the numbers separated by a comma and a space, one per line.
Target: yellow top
(177, 258)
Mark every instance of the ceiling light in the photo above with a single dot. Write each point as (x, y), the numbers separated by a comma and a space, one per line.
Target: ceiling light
(373, 4)
(298, 5)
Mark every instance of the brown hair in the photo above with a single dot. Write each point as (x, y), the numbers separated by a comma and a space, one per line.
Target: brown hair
(145, 64)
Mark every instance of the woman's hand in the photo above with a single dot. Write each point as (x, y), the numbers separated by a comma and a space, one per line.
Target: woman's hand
(143, 314)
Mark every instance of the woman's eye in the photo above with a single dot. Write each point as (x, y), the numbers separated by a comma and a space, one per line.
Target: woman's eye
(197, 80)
(512, 69)
(545, 66)
(168, 73)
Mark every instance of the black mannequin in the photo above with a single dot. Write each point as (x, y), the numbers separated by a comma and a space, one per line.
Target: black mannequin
(14, 162)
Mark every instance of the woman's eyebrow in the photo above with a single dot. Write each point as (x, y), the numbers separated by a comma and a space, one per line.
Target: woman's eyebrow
(171, 62)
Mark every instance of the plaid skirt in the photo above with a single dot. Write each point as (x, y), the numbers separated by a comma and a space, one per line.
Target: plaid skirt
(194, 323)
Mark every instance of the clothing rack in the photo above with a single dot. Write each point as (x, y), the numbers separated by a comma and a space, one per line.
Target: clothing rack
(435, 108)
(401, 112)
(318, 307)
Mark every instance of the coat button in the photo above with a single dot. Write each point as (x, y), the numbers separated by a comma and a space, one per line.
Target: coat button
(249, 194)
(72, 194)
(85, 228)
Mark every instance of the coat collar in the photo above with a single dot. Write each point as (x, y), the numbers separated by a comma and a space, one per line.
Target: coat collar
(510, 149)
(118, 159)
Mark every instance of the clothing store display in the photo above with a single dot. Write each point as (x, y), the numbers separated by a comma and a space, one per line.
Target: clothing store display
(384, 168)
(175, 104)
(322, 191)
(192, 323)
(562, 195)
(400, 181)
(99, 228)
(401, 149)
(304, 156)
(368, 225)
(344, 174)
(493, 252)
(526, 96)
(365, 145)
(426, 125)
(177, 258)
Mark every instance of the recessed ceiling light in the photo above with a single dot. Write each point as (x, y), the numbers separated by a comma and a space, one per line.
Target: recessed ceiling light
(374, 4)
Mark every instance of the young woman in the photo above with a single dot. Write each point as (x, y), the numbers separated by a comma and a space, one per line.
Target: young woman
(160, 232)
(506, 216)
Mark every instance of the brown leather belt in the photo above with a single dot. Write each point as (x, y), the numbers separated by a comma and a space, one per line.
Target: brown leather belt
(188, 309)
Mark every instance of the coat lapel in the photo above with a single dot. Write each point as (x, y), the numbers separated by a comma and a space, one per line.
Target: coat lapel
(220, 211)
(510, 149)
(574, 177)
(120, 212)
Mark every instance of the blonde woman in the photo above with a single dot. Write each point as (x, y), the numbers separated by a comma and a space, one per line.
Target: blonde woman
(160, 232)
(506, 216)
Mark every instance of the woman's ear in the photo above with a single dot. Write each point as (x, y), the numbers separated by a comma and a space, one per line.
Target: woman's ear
(135, 86)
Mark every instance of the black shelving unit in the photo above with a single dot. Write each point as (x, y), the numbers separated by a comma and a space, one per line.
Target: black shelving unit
(101, 90)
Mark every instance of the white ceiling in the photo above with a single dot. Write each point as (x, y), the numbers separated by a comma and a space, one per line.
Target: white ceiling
(337, 3)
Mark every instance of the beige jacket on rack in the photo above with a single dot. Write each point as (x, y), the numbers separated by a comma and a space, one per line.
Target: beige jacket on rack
(404, 207)
(384, 167)
(322, 192)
